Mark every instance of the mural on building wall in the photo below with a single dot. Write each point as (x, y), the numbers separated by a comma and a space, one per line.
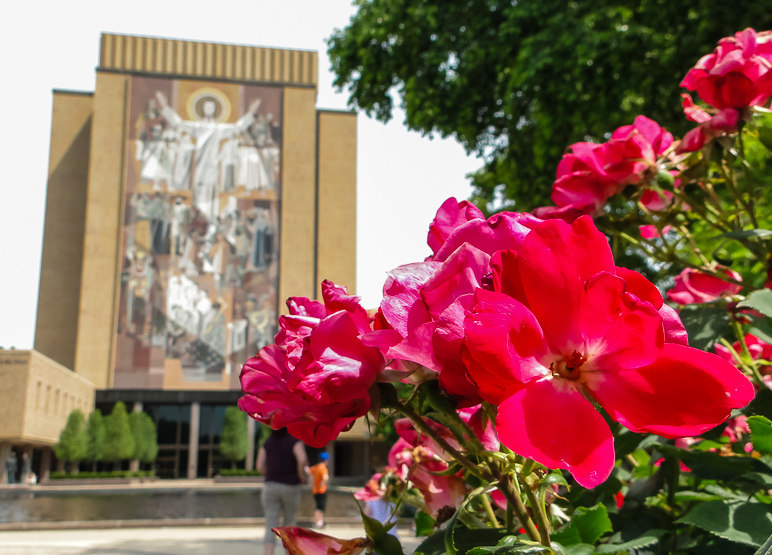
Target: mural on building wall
(200, 256)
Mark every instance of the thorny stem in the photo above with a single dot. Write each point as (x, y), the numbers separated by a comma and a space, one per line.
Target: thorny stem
(741, 337)
(509, 487)
(424, 428)
(489, 510)
(541, 518)
(746, 175)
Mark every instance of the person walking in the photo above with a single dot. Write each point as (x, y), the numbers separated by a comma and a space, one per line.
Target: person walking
(26, 467)
(10, 467)
(321, 476)
(282, 458)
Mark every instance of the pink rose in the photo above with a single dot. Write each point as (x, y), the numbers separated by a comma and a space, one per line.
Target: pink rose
(695, 287)
(737, 74)
(300, 541)
(316, 378)
(563, 328)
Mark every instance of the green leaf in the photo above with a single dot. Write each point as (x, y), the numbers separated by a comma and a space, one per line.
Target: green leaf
(509, 545)
(587, 526)
(748, 523)
(765, 137)
(745, 233)
(705, 324)
(388, 545)
(627, 442)
(567, 536)
(712, 466)
(433, 545)
(760, 300)
(649, 538)
(580, 549)
(424, 523)
(761, 433)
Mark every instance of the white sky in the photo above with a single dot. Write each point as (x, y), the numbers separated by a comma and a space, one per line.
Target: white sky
(54, 44)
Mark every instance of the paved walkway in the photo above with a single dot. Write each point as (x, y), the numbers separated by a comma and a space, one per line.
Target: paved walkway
(158, 541)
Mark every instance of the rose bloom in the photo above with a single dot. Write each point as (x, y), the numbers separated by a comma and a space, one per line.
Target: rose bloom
(562, 328)
(725, 121)
(300, 541)
(315, 380)
(589, 174)
(420, 319)
(695, 287)
(419, 459)
(759, 350)
(738, 73)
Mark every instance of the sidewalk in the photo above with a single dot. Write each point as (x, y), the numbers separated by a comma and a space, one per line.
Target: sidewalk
(229, 540)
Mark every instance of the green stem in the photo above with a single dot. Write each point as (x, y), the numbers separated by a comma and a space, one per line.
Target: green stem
(489, 510)
(541, 519)
(748, 181)
(738, 330)
(424, 428)
(527, 466)
(508, 486)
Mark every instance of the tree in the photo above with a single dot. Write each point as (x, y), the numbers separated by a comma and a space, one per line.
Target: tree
(119, 442)
(144, 433)
(95, 437)
(233, 444)
(73, 441)
(516, 82)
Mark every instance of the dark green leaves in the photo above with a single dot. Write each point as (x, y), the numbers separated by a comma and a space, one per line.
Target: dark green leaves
(760, 300)
(743, 522)
(586, 526)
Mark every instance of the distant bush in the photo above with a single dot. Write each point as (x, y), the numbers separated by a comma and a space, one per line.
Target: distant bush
(238, 472)
(101, 475)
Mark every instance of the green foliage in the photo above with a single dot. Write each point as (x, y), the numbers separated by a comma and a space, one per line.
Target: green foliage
(101, 475)
(95, 433)
(144, 433)
(742, 522)
(586, 526)
(225, 472)
(520, 81)
(234, 444)
(119, 441)
(73, 441)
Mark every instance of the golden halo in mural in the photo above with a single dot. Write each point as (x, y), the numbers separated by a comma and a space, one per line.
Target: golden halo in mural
(208, 103)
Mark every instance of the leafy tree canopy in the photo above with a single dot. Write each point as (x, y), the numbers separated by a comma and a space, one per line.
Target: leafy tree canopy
(73, 442)
(234, 442)
(517, 81)
(95, 433)
(144, 433)
(119, 441)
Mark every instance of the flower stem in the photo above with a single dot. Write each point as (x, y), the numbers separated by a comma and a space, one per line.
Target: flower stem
(424, 428)
(541, 519)
(489, 511)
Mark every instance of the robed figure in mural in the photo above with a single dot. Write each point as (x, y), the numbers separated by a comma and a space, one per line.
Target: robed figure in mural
(210, 136)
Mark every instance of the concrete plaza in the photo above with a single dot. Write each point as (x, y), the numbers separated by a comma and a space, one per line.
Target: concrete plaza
(198, 540)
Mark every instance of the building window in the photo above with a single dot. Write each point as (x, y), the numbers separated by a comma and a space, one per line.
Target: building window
(38, 388)
(48, 398)
(64, 404)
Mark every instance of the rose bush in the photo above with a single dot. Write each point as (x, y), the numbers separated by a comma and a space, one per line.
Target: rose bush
(544, 395)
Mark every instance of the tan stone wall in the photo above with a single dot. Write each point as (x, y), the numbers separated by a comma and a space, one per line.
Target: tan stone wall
(59, 293)
(207, 59)
(41, 393)
(298, 195)
(99, 283)
(337, 199)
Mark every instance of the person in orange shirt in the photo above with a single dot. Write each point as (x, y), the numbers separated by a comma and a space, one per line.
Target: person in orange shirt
(319, 489)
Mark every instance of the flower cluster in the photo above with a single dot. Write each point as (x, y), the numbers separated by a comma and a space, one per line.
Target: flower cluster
(527, 350)
(315, 379)
(590, 173)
